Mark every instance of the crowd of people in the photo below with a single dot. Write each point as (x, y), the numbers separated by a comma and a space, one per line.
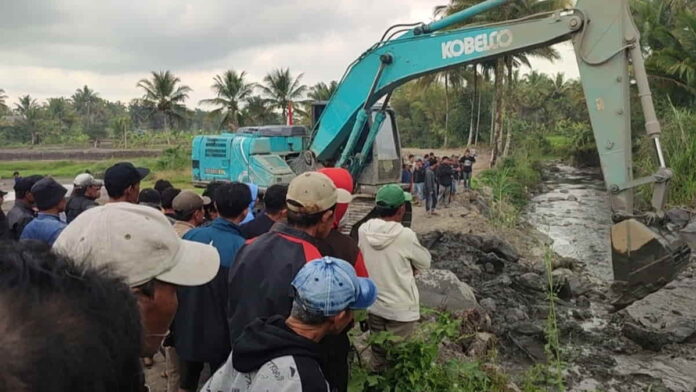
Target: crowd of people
(258, 285)
(434, 180)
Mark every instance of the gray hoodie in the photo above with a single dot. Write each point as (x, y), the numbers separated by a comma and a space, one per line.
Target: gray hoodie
(392, 253)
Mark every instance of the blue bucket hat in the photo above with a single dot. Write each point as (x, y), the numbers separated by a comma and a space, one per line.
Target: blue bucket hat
(328, 286)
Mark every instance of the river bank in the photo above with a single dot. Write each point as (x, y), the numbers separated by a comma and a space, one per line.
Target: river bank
(651, 345)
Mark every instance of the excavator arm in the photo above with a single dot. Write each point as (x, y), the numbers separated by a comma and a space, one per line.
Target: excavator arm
(607, 46)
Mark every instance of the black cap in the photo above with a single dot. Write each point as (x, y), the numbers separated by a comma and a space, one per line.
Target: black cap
(168, 196)
(2, 193)
(48, 193)
(24, 184)
(122, 175)
(149, 197)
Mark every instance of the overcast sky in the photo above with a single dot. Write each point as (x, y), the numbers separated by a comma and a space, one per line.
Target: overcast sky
(50, 48)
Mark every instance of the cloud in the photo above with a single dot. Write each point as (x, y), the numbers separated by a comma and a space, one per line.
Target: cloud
(52, 48)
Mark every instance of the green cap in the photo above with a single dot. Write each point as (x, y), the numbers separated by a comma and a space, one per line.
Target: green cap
(392, 195)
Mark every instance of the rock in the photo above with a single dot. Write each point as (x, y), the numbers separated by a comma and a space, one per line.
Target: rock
(555, 198)
(441, 289)
(561, 282)
(488, 304)
(564, 191)
(582, 302)
(500, 247)
(678, 217)
(532, 280)
(515, 315)
(555, 169)
(664, 317)
(572, 198)
(483, 341)
(528, 328)
(564, 262)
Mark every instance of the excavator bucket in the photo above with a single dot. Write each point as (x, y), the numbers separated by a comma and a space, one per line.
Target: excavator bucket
(644, 260)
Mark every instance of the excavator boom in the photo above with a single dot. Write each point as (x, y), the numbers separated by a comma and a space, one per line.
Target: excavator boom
(606, 43)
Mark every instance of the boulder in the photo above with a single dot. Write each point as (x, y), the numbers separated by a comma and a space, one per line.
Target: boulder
(572, 198)
(678, 217)
(488, 304)
(483, 341)
(665, 317)
(532, 280)
(441, 289)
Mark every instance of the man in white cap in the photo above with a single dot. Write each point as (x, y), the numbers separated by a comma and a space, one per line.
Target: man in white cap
(259, 280)
(139, 244)
(86, 191)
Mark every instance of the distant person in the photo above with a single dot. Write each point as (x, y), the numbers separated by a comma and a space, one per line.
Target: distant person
(16, 177)
(141, 247)
(406, 175)
(283, 354)
(86, 191)
(393, 256)
(150, 198)
(467, 164)
(254, 189)
(189, 211)
(274, 211)
(66, 326)
(122, 182)
(161, 185)
(419, 181)
(49, 197)
(168, 196)
(259, 281)
(201, 334)
(23, 210)
(430, 187)
(210, 210)
(335, 348)
(445, 178)
(5, 234)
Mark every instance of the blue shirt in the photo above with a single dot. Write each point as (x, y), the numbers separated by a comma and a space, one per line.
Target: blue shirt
(45, 227)
(222, 234)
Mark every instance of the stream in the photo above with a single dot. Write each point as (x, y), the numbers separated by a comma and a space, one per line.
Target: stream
(573, 210)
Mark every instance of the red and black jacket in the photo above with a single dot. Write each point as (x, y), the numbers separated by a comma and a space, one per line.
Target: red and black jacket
(259, 281)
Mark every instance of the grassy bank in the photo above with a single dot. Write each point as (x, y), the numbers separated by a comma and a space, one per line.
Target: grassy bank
(174, 165)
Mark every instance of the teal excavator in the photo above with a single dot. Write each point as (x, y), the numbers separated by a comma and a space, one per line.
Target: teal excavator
(356, 129)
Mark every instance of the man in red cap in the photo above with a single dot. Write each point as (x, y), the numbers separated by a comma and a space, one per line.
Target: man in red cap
(335, 348)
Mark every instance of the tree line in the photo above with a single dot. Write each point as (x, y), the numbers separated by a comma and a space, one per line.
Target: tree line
(86, 116)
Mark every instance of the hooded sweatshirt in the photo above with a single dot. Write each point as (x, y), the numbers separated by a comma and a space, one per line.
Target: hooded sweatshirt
(392, 252)
(269, 356)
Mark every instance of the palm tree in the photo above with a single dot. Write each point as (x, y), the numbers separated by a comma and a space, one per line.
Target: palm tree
(322, 92)
(165, 94)
(283, 90)
(257, 112)
(85, 100)
(3, 99)
(28, 109)
(505, 64)
(59, 109)
(231, 90)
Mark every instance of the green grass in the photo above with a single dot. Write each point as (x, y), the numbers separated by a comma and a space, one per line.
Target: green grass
(179, 174)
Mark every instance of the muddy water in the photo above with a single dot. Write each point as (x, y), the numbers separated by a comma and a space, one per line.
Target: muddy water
(573, 211)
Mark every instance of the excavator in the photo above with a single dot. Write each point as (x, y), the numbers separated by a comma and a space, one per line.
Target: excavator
(357, 130)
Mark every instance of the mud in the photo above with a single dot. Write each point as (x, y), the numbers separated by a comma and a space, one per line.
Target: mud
(649, 346)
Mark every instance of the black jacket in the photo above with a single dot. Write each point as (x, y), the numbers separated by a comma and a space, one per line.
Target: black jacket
(77, 205)
(19, 217)
(260, 225)
(444, 174)
(259, 281)
(4, 228)
(269, 356)
(419, 175)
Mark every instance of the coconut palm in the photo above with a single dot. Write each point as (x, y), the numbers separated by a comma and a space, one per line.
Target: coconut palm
(166, 95)
(282, 89)
(28, 110)
(231, 90)
(258, 112)
(3, 100)
(322, 91)
(506, 65)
